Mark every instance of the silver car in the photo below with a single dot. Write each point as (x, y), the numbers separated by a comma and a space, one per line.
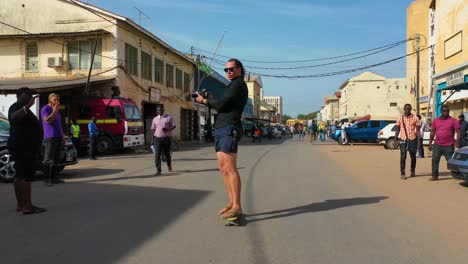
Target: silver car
(458, 164)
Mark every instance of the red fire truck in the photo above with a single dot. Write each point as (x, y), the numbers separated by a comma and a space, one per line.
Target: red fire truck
(119, 122)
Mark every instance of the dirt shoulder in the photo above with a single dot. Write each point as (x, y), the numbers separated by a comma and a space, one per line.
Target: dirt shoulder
(440, 204)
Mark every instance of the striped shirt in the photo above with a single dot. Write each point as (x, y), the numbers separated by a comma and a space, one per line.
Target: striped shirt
(411, 123)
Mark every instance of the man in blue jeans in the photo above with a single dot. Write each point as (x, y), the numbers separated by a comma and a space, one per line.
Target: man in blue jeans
(53, 137)
(93, 134)
(443, 129)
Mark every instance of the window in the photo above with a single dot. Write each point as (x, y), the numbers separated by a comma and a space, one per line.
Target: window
(145, 66)
(378, 87)
(186, 82)
(158, 70)
(131, 60)
(393, 104)
(374, 124)
(132, 112)
(178, 75)
(80, 52)
(31, 56)
(397, 87)
(169, 74)
(362, 124)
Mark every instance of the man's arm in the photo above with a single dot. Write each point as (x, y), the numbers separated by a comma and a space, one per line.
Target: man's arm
(431, 138)
(457, 142)
(50, 118)
(232, 94)
(17, 115)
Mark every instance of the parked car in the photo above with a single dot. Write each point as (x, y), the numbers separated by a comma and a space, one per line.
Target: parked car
(68, 155)
(458, 164)
(386, 136)
(363, 131)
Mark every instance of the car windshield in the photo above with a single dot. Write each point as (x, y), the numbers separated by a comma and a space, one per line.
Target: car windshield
(4, 126)
(132, 112)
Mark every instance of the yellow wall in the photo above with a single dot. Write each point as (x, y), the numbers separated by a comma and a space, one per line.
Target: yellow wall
(254, 94)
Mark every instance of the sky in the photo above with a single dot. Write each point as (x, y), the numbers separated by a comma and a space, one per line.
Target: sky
(273, 30)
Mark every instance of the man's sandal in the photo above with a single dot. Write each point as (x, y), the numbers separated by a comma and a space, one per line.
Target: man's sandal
(233, 219)
(224, 209)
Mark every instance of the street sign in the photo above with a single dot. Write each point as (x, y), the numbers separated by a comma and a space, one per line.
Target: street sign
(155, 95)
(455, 78)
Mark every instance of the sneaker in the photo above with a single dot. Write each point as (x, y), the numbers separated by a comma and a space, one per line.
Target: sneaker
(169, 169)
(158, 173)
(413, 174)
(403, 177)
(433, 179)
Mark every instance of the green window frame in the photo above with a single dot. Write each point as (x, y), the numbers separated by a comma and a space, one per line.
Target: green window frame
(158, 70)
(169, 75)
(178, 79)
(146, 69)
(131, 59)
(186, 82)
(80, 52)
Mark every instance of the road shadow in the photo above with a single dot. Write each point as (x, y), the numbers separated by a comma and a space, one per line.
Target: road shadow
(194, 159)
(88, 172)
(315, 207)
(265, 141)
(90, 223)
(441, 174)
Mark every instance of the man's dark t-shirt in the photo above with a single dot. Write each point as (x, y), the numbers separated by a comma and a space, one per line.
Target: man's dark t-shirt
(25, 134)
(231, 106)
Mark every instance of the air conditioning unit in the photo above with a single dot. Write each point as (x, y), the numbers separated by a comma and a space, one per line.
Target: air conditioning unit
(54, 61)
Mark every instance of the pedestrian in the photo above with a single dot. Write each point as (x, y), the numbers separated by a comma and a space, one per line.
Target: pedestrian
(162, 127)
(24, 145)
(75, 134)
(53, 137)
(422, 129)
(93, 135)
(463, 130)
(322, 131)
(444, 129)
(344, 137)
(301, 131)
(227, 133)
(407, 133)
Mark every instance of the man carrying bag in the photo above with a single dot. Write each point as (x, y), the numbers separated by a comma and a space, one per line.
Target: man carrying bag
(408, 138)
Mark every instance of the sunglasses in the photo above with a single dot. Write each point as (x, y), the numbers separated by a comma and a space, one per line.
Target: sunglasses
(230, 69)
(445, 110)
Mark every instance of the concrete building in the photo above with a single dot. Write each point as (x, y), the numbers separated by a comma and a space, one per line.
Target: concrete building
(52, 52)
(443, 26)
(277, 102)
(255, 85)
(330, 110)
(372, 94)
(268, 112)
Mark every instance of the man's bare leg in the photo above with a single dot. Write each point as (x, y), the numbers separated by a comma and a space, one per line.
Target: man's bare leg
(230, 167)
(224, 173)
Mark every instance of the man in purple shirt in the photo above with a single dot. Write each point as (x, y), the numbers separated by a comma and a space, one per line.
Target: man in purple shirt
(444, 129)
(53, 137)
(162, 127)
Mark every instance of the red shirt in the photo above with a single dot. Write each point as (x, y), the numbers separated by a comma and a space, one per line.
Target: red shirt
(445, 131)
(411, 123)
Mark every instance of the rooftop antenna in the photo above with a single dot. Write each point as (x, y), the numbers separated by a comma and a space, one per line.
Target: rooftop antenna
(141, 15)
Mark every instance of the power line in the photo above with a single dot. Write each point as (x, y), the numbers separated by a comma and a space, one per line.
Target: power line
(317, 65)
(330, 73)
(311, 60)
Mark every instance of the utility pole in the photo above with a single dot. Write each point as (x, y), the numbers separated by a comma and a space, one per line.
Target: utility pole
(91, 66)
(418, 48)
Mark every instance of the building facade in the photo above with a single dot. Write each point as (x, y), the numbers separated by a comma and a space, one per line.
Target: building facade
(268, 112)
(330, 110)
(53, 52)
(277, 102)
(443, 27)
(255, 86)
(374, 95)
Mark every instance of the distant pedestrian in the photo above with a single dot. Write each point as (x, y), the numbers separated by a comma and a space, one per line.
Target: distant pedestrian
(93, 135)
(75, 134)
(463, 131)
(444, 129)
(53, 138)
(24, 145)
(344, 137)
(422, 129)
(162, 127)
(407, 132)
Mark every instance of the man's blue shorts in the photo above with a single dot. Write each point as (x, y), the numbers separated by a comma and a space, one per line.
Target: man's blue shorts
(227, 138)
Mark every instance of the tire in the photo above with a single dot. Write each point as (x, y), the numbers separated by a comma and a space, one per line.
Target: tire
(104, 145)
(343, 142)
(391, 143)
(7, 170)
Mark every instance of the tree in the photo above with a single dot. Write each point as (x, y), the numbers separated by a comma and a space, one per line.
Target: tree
(301, 116)
(285, 118)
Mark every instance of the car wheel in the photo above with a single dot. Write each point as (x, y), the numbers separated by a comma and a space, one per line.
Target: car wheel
(7, 167)
(104, 145)
(343, 141)
(392, 143)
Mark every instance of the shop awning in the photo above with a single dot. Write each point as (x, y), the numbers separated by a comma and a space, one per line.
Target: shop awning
(46, 85)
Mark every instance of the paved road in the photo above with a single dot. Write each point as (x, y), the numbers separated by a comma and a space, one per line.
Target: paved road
(303, 207)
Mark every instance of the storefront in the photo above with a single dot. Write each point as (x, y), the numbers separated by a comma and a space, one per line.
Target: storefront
(452, 90)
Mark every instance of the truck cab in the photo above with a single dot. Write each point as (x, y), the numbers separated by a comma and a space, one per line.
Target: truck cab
(119, 121)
